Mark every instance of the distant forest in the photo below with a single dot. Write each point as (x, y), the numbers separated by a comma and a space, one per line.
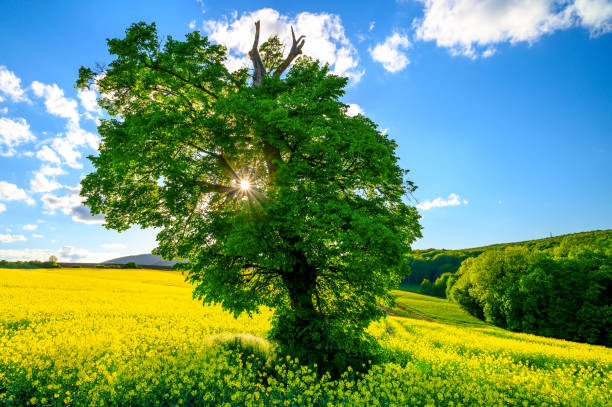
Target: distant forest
(431, 264)
(559, 286)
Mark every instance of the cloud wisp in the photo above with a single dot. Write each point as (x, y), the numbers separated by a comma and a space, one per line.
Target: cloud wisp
(452, 200)
(8, 238)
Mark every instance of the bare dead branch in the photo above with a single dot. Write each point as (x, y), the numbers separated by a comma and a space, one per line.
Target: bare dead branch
(258, 67)
(272, 154)
(296, 49)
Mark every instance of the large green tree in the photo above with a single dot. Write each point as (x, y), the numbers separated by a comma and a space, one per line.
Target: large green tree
(274, 195)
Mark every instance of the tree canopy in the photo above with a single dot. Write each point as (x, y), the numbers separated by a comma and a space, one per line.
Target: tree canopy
(274, 195)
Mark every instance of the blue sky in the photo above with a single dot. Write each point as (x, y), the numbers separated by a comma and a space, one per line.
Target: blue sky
(502, 109)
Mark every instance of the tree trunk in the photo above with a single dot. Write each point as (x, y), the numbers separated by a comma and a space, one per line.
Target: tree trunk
(301, 284)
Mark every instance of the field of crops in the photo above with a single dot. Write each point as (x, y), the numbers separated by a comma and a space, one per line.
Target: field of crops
(136, 338)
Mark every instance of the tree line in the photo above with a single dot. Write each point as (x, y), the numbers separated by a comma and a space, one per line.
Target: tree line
(558, 287)
(428, 268)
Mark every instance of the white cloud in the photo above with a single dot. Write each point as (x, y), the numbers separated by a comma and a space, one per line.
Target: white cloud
(353, 110)
(595, 15)
(90, 104)
(473, 27)
(30, 227)
(10, 85)
(3, 110)
(25, 254)
(192, 24)
(71, 254)
(46, 154)
(2, 207)
(88, 100)
(83, 215)
(55, 101)
(67, 150)
(79, 137)
(72, 205)
(12, 238)
(37, 236)
(489, 52)
(49, 170)
(14, 133)
(390, 53)
(11, 192)
(66, 146)
(64, 203)
(325, 38)
(40, 183)
(65, 254)
(112, 246)
(453, 200)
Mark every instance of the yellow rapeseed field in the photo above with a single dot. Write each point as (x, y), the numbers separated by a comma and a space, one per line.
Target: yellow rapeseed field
(113, 337)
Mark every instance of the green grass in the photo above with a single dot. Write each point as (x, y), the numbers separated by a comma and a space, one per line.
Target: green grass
(412, 288)
(436, 309)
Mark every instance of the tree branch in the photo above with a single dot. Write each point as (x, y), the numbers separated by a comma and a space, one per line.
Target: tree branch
(209, 187)
(220, 157)
(296, 49)
(258, 67)
(154, 66)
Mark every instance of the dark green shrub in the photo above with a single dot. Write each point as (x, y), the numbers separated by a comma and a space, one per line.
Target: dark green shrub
(534, 292)
(130, 265)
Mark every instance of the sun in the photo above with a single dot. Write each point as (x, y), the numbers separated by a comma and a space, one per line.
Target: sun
(245, 185)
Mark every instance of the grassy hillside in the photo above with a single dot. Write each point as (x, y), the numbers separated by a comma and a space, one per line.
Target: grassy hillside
(425, 307)
(135, 337)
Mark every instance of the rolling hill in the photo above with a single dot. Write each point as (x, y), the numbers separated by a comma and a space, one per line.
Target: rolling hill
(146, 259)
